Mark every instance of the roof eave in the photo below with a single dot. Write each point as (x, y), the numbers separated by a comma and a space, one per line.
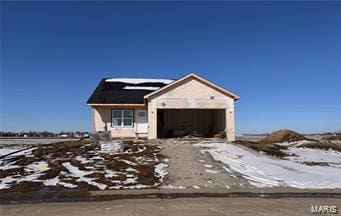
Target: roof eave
(234, 96)
(116, 105)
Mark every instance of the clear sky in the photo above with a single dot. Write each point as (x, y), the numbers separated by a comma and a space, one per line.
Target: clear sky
(283, 59)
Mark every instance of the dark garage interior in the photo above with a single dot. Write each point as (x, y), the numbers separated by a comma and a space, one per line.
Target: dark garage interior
(172, 123)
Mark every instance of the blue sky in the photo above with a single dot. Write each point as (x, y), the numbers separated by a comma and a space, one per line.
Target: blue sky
(283, 59)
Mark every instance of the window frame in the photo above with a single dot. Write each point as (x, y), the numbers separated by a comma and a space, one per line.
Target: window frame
(122, 118)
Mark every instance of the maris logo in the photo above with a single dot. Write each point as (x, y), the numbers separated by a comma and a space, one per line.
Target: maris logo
(324, 210)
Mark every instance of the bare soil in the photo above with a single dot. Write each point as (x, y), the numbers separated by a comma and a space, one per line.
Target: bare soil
(269, 149)
(141, 157)
(335, 137)
(326, 145)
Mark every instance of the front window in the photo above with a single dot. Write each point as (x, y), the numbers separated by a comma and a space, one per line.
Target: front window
(121, 118)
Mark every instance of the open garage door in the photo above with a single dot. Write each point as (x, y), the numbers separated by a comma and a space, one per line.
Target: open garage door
(181, 122)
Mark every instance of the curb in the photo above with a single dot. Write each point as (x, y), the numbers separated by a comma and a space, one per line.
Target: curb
(107, 195)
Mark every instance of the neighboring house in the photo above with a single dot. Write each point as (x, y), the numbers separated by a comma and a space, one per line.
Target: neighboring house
(155, 108)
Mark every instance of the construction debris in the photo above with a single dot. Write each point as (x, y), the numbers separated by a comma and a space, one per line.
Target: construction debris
(220, 135)
(187, 132)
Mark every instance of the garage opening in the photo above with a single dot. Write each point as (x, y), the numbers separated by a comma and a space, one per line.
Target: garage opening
(183, 122)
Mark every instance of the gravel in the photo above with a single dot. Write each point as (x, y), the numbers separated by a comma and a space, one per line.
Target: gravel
(188, 167)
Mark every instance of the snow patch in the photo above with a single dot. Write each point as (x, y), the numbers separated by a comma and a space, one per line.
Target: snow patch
(139, 81)
(161, 170)
(227, 169)
(52, 182)
(196, 187)
(128, 162)
(211, 171)
(265, 171)
(152, 88)
(301, 155)
(80, 174)
(5, 151)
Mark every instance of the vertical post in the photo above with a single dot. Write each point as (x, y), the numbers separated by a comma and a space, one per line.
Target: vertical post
(230, 128)
(152, 120)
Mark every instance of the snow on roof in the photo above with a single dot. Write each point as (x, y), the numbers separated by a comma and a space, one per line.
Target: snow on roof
(138, 80)
(141, 87)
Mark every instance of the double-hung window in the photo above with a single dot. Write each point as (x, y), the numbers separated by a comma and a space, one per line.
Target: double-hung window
(122, 118)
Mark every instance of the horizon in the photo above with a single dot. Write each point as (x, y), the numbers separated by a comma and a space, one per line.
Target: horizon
(237, 134)
(283, 59)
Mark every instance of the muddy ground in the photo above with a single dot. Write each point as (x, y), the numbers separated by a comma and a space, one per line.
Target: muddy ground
(80, 165)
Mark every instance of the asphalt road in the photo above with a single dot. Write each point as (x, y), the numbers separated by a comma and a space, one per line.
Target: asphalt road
(172, 207)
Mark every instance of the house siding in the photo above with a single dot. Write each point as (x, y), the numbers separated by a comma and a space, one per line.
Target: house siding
(103, 121)
(191, 94)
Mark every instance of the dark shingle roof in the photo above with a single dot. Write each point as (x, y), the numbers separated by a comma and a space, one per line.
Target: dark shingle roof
(114, 92)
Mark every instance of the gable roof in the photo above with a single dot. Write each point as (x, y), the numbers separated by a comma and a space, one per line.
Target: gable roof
(129, 91)
(193, 75)
(124, 91)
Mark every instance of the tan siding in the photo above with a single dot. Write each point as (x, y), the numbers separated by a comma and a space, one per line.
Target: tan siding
(102, 118)
(193, 94)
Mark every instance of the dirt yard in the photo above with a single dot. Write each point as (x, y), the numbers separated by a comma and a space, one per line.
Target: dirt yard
(80, 165)
(189, 168)
(285, 160)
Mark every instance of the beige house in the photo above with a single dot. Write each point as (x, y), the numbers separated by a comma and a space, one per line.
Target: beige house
(159, 108)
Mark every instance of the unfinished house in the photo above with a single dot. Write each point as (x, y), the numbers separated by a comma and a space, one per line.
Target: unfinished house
(161, 108)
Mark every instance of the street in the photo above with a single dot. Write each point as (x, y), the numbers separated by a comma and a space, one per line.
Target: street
(180, 206)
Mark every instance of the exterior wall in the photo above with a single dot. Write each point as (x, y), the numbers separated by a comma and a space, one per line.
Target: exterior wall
(102, 121)
(188, 94)
(191, 94)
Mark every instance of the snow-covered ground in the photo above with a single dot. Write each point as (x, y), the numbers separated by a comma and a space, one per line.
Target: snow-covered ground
(5, 151)
(19, 152)
(265, 171)
(308, 155)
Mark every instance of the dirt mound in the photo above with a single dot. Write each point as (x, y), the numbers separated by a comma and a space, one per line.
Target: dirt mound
(273, 150)
(282, 136)
(333, 137)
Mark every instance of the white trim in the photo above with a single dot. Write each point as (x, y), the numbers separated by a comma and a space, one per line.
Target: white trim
(122, 118)
(226, 92)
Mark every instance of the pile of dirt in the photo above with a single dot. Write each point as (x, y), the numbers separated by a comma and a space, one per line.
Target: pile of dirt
(269, 149)
(333, 137)
(283, 136)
